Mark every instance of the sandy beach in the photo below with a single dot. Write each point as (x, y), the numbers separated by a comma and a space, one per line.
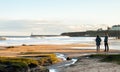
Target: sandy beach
(63, 48)
(82, 65)
(67, 48)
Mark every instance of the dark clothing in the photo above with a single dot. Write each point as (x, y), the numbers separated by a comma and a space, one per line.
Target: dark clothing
(106, 44)
(106, 39)
(98, 41)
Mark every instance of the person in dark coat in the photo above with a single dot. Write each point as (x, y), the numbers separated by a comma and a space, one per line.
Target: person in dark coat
(98, 42)
(106, 43)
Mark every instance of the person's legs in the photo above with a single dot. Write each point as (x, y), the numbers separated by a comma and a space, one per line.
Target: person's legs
(98, 48)
(107, 47)
(105, 44)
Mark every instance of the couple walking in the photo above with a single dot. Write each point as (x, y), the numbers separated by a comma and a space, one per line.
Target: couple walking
(98, 41)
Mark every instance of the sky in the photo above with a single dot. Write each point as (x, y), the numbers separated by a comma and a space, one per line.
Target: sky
(23, 17)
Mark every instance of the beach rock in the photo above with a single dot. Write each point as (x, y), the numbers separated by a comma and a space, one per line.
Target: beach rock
(68, 58)
(47, 62)
(24, 45)
(30, 68)
(32, 65)
(12, 68)
(10, 47)
(38, 69)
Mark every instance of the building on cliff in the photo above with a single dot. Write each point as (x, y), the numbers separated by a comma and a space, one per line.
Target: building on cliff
(115, 27)
(114, 31)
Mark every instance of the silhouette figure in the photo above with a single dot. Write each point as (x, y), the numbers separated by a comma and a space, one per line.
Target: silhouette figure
(106, 43)
(98, 42)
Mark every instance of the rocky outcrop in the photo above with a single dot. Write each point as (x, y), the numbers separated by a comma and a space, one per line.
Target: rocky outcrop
(38, 69)
(12, 68)
(26, 64)
(111, 33)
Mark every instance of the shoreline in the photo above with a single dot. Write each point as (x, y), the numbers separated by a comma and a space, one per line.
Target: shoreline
(48, 48)
(69, 49)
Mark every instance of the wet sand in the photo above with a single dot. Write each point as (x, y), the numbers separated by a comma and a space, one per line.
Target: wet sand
(85, 64)
(66, 49)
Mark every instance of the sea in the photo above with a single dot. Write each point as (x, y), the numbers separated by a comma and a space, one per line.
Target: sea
(58, 40)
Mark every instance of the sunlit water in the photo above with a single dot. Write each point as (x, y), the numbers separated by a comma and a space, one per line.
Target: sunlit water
(55, 67)
(12, 41)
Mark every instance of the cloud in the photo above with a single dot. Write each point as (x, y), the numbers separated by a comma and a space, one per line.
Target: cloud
(14, 33)
(47, 22)
(25, 27)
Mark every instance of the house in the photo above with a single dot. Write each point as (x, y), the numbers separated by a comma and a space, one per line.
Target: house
(115, 27)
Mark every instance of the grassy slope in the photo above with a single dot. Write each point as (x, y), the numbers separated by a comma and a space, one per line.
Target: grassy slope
(20, 63)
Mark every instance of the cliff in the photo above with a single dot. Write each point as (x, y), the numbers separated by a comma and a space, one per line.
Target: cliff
(111, 33)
